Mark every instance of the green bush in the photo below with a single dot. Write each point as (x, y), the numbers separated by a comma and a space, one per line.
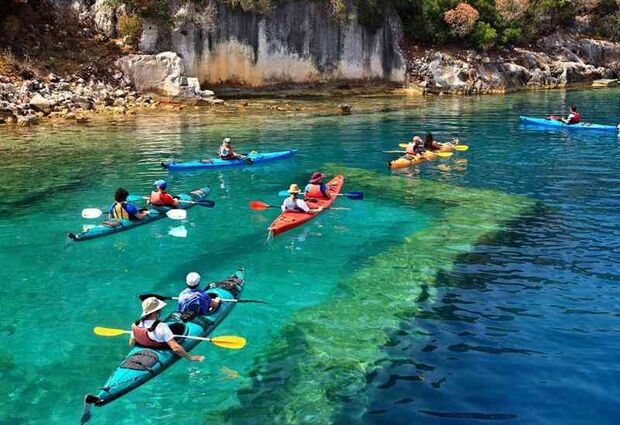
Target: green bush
(130, 26)
(510, 35)
(483, 36)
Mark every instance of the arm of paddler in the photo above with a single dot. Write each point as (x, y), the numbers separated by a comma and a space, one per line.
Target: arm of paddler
(180, 351)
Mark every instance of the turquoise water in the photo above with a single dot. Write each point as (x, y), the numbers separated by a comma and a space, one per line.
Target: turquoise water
(526, 315)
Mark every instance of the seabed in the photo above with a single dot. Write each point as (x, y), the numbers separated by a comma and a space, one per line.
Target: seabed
(326, 351)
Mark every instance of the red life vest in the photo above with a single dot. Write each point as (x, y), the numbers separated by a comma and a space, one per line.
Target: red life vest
(226, 152)
(576, 118)
(141, 335)
(156, 199)
(314, 191)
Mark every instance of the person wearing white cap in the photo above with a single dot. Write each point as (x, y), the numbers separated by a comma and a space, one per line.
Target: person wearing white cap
(195, 299)
(226, 152)
(149, 332)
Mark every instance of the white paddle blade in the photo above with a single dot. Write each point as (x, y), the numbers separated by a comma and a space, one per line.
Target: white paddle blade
(178, 214)
(91, 213)
(178, 232)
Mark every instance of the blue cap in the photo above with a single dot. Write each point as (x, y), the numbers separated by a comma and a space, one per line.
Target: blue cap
(161, 184)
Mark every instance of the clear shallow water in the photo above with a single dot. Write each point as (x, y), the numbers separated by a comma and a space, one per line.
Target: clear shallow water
(521, 329)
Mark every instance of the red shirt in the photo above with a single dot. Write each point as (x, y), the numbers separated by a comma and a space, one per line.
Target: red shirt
(161, 199)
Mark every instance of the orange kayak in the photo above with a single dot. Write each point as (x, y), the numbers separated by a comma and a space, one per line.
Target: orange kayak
(289, 220)
(404, 162)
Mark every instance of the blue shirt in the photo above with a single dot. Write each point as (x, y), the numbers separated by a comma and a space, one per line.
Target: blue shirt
(195, 300)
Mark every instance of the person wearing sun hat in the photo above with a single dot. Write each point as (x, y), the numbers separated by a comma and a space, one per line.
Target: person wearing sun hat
(414, 147)
(227, 152)
(195, 299)
(150, 332)
(294, 204)
(160, 198)
(315, 188)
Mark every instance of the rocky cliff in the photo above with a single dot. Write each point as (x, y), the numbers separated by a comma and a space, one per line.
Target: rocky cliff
(298, 41)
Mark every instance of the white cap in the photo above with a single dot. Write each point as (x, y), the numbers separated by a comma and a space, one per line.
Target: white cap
(192, 279)
(227, 140)
(151, 305)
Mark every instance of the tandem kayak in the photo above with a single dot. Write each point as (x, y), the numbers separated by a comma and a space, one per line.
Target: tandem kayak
(109, 227)
(548, 123)
(289, 220)
(141, 364)
(404, 162)
(256, 158)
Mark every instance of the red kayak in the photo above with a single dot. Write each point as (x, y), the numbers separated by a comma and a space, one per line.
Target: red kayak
(289, 220)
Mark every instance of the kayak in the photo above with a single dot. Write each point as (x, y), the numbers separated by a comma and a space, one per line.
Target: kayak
(547, 123)
(141, 364)
(110, 227)
(403, 162)
(256, 158)
(289, 220)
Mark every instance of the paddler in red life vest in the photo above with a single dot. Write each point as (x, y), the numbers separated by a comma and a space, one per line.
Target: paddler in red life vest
(574, 117)
(149, 332)
(226, 151)
(316, 189)
(294, 204)
(123, 210)
(160, 198)
(195, 299)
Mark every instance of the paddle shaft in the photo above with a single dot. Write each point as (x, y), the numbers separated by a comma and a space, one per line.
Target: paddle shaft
(198, 338)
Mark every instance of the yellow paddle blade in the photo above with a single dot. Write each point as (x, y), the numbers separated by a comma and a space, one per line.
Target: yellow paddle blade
(402, 145)
(229, 341)
(444, 154)
(98, 330)
(461, 148)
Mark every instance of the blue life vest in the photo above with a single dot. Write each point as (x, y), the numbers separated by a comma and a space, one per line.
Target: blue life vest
(195, 300)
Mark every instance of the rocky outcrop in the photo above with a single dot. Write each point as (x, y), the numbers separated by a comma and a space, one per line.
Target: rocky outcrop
(555, 61)
(164, 75)
(297, 42)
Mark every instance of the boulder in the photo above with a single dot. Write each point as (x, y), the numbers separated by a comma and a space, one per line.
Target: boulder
(41, 104)
(27, 120)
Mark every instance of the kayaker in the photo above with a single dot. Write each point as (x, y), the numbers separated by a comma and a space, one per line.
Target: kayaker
(432, 145)
(149, 332)
(294, 204)
(195, 299)
(123, 210)
(160, 198)
(315, 188)
(414, 148)
(574, 117)
(226, 152)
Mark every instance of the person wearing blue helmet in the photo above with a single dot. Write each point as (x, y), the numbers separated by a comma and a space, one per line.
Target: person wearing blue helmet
(160, 198)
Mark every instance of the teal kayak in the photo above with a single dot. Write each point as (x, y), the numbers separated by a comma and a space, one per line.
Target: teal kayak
(255, 157)
(110, 227)
(547, 123)
(141, 364)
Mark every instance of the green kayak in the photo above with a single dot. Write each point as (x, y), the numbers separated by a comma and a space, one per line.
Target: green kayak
(110, 227)
(141, 364)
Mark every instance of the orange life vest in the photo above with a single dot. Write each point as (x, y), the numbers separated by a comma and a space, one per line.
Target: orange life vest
(156, 199)
(119, 212)
(141, 335)
(314, 191)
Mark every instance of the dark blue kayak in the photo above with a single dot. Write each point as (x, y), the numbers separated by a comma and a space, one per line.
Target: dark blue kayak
(254, 158)
(110, 227)
(547, 123)
(140, 365)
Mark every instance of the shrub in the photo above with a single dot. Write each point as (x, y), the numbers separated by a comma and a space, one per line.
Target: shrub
(130, 26)
(484, 36)
(511, 35)
(511, 10)
(461, 19)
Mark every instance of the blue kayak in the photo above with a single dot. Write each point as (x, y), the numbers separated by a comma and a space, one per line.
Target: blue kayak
(547, 123)
(141, 364)
(110, 227)
(254, 158)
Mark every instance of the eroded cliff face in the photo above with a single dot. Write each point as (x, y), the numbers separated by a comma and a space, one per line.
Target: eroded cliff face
(298, 42)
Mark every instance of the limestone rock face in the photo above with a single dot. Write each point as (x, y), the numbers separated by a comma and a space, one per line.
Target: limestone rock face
(41, 104)
(162, 74)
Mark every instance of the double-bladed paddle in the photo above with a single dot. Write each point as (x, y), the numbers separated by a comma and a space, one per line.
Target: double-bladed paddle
(458, 147)
(174, 214)
(203, 203)
(231, 342)
(165, 297)
(259, 206)
(350, 195)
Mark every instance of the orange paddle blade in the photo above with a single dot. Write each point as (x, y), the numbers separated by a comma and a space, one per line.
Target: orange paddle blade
(258, 205)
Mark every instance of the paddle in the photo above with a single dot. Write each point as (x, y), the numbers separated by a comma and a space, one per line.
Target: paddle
(165, 297)
(227, 341)
(203, 203)
(259, 206)
(350, 195)
(458, 147)
(174, 214)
